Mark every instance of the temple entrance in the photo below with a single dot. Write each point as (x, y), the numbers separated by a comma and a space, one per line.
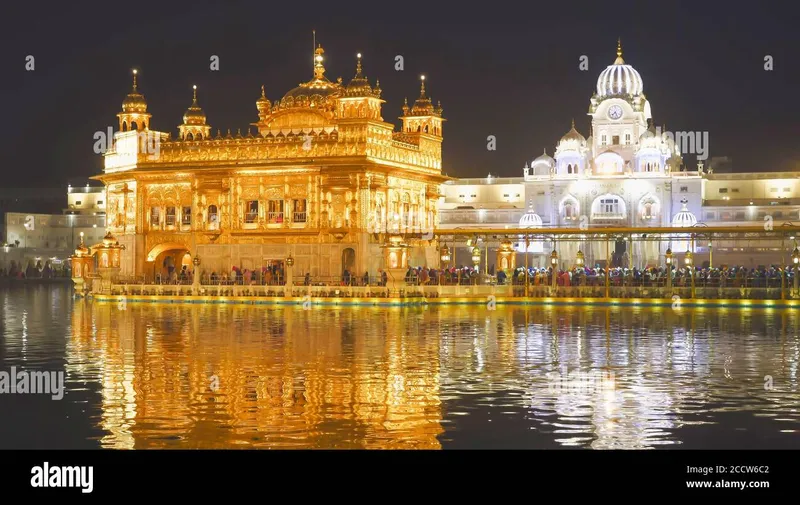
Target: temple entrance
(167, 264)
(348, 260)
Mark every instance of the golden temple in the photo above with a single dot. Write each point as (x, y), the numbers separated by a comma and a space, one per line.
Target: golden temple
(320, 181)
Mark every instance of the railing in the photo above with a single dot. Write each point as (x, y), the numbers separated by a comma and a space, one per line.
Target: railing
(469, 285)
(299, 217)
(275, 217)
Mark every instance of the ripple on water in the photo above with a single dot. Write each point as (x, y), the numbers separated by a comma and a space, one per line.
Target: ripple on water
(222, 376)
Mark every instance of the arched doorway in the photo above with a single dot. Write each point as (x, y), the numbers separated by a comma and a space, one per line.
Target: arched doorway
(167, 260)
(348, 260)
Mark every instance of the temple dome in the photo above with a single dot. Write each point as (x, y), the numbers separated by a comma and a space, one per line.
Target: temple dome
(543, 159)
(619, 79)
(684, 218)
(315, 92)
(194, 115)
(134, 102)
(530, 220)
(573, 134)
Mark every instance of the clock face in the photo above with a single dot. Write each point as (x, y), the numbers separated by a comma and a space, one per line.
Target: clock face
(615, 112)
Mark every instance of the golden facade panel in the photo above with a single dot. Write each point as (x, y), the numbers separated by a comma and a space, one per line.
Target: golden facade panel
(320, 168)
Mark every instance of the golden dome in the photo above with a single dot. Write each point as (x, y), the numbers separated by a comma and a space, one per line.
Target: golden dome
(82, 250)
(316, 92)
(359, 85)
(109, 239)
(262, 104)
(135, 101)
(194, 114)
(423, 106)
(573, 134)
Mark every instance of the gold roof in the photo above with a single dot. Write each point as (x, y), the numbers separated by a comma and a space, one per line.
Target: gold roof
(573, 134)
(135, 101)
(423, 106)
(359, 85)
(194, 115)
(317, 91)
(262, 104)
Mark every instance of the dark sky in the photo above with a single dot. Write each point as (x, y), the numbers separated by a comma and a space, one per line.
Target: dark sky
(504, 69)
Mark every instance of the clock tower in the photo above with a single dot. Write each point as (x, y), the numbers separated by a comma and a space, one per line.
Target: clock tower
(619, 110)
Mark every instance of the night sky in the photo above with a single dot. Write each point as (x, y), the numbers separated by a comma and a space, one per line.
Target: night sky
(509, 70)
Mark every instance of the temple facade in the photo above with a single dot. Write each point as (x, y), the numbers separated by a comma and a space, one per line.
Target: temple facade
(320, 178)
(627, 173)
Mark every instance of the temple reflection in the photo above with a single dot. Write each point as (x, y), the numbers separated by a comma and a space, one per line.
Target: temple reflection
(210, 376)
(213, 377)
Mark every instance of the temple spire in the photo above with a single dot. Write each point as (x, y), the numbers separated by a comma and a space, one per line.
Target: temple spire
(619, 60)
(422, 86)
(358, 66)
(134, 79)
(319, 69)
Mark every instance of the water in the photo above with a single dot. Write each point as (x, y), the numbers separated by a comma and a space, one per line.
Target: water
(214, 376)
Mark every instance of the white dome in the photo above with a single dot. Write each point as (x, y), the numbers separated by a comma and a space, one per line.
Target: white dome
(619, 79)
(543, 159)
(684, 218)
(530, 220)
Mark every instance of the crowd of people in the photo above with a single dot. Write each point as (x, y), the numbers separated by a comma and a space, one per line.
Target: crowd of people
(726, 281)
(33, 271)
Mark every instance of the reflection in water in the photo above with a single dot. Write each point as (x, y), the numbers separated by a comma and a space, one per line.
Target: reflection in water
(215, 376)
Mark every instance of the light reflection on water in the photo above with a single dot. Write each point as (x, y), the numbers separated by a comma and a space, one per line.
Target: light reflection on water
(215, 376)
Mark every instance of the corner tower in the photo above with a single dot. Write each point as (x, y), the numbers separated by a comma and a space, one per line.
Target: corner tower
(134, 114)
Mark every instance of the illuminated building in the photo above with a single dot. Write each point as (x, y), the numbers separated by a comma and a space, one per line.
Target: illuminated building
(627, 173)
(36, 238)
(318, 180)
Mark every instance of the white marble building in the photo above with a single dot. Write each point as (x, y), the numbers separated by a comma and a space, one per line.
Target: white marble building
(625, 173)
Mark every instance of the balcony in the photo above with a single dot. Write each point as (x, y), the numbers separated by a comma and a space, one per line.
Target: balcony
(275, 217)
(299, 217)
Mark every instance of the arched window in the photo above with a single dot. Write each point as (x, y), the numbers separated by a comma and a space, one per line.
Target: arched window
(608, 207)
(569, 209)
(124, 126)
(133, 125)
(213, 217)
